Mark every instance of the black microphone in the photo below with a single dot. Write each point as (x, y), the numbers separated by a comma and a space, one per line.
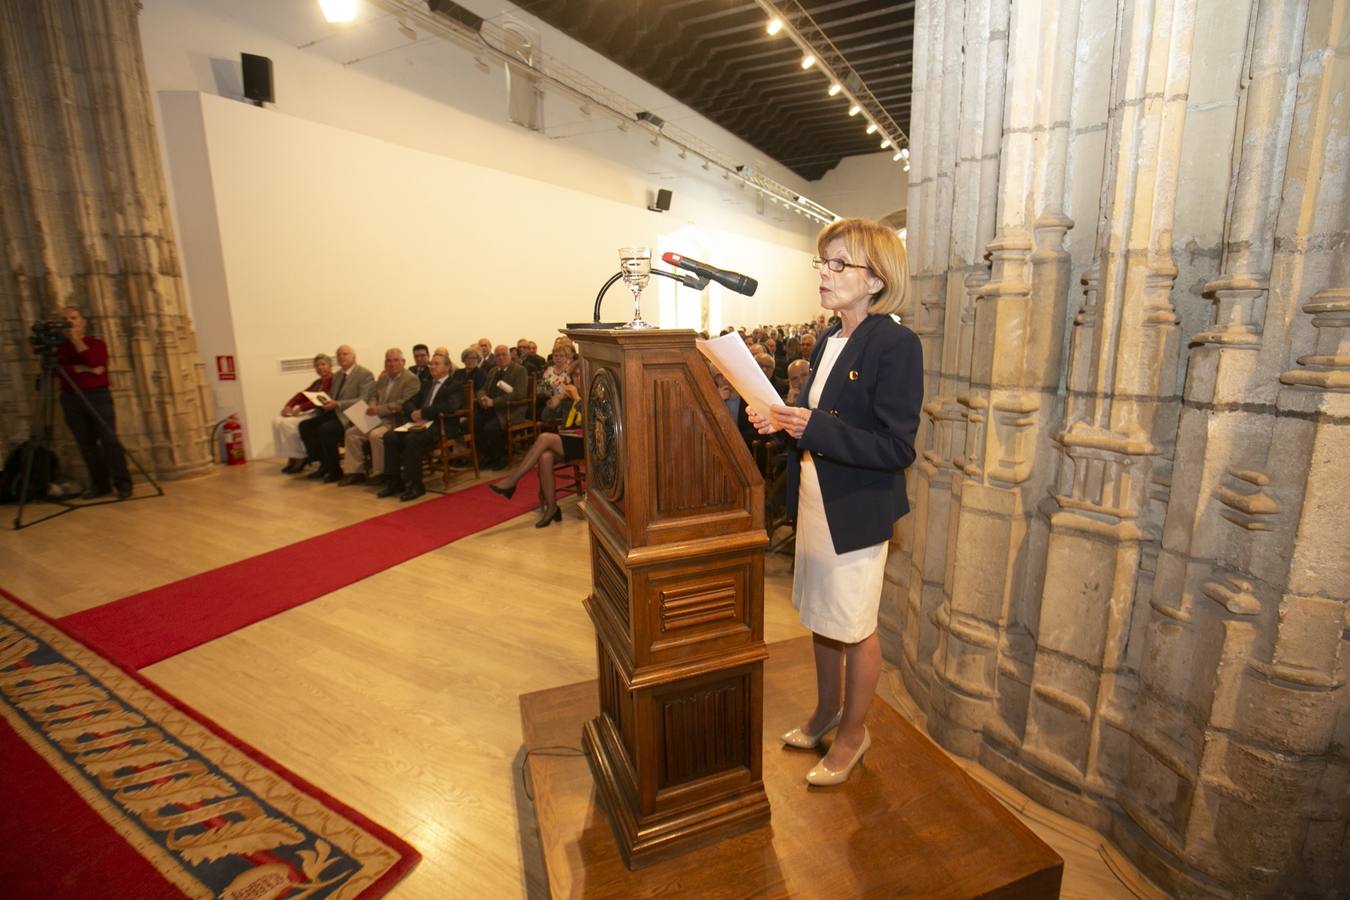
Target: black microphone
(741, 284)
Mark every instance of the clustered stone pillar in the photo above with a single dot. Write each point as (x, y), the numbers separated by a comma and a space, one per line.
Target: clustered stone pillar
(1125, 581)
(84, 221)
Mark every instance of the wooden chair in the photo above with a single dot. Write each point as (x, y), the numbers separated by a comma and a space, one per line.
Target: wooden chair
(570, 478)
(468, 447)
(521, 434)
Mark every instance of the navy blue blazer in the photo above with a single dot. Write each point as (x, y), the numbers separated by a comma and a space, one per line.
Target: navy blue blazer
(861, 434)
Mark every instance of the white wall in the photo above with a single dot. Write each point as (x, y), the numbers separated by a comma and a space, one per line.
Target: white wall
(871, 186)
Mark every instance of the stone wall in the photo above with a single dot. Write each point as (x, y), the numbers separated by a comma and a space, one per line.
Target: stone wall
(84, 221)
(1124, 583)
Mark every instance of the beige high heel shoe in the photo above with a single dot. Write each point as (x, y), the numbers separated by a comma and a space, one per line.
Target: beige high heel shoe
(822, 775)
(800, 739)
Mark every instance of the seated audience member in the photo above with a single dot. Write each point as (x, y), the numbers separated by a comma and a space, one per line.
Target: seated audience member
(574, 359)
(808, 344)
(797, 371)
(736, 408)
(531, 360)
(765, 363)
(505, 381)
(485, 351)
(472, 371)
(774, 347)
(556, 392)
(403, 450)
(286, 426)
(395, 386)
(794, 349)
(421, 355)
(548, 449)
(558, 374)
(515, 354)
(323, 432)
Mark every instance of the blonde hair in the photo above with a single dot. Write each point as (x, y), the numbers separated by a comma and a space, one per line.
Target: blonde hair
(879, 248)
(322, 356)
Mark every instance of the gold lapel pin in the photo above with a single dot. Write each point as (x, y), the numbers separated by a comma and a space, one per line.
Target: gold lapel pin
(853, 375)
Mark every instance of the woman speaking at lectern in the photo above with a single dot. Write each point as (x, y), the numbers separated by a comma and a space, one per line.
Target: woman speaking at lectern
(854, 424)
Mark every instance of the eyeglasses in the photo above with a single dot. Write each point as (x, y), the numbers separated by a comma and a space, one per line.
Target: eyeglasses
(836, 265)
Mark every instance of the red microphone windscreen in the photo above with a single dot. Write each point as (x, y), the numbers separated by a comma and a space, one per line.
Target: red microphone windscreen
(673, 259)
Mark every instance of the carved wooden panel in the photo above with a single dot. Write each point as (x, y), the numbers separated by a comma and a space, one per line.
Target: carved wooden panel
(611, 585)
(704, 732)
(615, 701)
(680, 609)
(692, 474)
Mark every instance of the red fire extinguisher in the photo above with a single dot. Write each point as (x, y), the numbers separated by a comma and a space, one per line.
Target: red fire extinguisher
(234, 441)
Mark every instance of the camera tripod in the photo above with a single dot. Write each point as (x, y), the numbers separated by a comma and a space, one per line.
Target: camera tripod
(43, 430)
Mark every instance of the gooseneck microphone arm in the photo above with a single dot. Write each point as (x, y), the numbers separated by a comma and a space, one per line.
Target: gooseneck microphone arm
(689, 281)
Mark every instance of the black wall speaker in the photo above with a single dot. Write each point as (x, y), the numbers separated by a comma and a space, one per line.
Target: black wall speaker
(662, 203)
(257, 78)
(456, 13)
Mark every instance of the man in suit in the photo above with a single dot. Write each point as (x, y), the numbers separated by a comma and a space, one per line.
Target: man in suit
(395, 387)
(421, 355)
(496, 399)
(403, 450)
(322, 433)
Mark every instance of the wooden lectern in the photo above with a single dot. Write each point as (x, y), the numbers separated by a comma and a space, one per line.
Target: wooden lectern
(676, 514)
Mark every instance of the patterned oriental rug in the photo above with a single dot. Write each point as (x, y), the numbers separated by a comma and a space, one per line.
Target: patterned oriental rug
(151, 626)
(116, 789)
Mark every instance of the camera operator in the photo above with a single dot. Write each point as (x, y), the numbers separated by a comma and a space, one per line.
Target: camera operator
(85, 360)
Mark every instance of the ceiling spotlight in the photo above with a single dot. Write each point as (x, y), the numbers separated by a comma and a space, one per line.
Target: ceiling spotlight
(904, 153)
(871, 127)
(775, 26)
(854, 109)
(835, 88)
(896, 158)
(906, 165)
(338, 12)
(886, 143)
(808, 61)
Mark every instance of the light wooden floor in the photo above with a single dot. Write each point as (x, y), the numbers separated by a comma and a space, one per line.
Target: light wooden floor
(398, 694)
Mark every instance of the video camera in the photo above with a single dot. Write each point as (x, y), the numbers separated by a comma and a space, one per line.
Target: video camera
(48, 335)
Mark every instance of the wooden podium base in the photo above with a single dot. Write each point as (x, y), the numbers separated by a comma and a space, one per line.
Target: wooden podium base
(909, 821)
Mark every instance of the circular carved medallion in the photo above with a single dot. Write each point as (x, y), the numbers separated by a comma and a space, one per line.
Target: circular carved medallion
(604, 436)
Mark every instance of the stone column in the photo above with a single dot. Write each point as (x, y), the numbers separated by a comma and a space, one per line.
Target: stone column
(1103, 499)
(1136, 602)
(85, 222)
(977, 77)
(1013, 403)
(1204, 613)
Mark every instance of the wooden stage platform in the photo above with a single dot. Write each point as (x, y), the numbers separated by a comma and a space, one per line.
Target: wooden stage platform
(909, 822)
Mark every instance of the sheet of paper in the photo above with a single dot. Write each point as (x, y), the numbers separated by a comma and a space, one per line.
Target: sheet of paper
(732, 358)
(413, 426)
(356, 414)
(318, 398)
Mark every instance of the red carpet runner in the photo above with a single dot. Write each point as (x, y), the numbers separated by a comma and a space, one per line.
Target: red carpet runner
(116, 789)
(145, 628)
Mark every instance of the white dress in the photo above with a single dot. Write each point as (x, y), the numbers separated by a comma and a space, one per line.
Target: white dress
(836, 594)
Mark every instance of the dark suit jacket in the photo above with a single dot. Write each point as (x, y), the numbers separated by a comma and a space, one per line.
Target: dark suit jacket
(448, 399)
(861, 435)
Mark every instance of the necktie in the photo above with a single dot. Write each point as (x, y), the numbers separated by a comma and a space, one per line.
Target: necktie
(431, 396)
